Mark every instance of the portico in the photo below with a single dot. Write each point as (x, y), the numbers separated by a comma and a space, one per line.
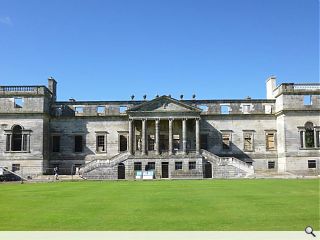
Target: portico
(164, 126)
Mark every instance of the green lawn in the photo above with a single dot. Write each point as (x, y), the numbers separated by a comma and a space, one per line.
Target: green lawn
(161, 205)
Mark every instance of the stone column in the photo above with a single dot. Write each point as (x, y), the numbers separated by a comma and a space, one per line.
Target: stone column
(170, 136)
(184, 136)
(157, 136)
(143, 137)
(303, 139)
(315, 137)
(197, 136)
(130, 137)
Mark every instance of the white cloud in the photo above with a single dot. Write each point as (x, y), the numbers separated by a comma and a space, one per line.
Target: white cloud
(6, 20)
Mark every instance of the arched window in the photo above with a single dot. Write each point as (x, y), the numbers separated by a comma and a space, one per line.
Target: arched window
(309, 136)
(16, 142)
(18, 139)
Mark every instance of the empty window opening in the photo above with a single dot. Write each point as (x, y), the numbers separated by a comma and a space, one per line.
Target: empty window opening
(123, 143)
(271, 164)
(16, 138)
(101, 109)
(55, 143)
(307, 100)
(246, 108)
(224, 109)
(78, 143)
(268, 109)
(78, 109)
(178, 165)
(101, 144)
(192, 165)
(15, 167)
(204, 108)
(150, 142)
(248, 141)
(204, 141)
(123, 109)
(312, 164)
(226, 138)
(18, 102)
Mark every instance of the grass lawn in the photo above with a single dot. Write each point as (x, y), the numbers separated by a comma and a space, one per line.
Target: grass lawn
(161, 205)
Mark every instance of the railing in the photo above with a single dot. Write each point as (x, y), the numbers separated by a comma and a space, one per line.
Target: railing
(228, 161)
(307, 86)
(18, 88)
(104, 163)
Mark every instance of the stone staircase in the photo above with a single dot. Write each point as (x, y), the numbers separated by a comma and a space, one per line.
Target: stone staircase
(227, 167)
(103, 169)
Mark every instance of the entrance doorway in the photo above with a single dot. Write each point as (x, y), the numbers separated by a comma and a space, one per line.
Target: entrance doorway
(165, 170)
(208, 170)
(121, 171)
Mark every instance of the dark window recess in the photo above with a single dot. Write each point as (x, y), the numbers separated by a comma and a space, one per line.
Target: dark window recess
(271, 165)
(178, 165)
(150, 166)
(55, 143)
(16, 139)
(204, 141)
(137, 166)
(15, 167)
(78, 146)
(309, 138)
(192, 165)
(312, 164)
(8, 143)
(123, 143)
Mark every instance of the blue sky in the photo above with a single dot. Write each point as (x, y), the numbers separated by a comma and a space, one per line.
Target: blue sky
(111, 49)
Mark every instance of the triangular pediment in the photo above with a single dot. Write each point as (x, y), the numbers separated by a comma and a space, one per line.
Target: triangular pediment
(164, 104)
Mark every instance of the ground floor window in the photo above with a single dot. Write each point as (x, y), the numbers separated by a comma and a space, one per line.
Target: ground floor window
(192, 165)
(271, 164)
(312, 164)
(178, 165)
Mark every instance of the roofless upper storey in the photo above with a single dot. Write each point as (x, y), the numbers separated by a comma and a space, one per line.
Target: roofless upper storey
(42, 99)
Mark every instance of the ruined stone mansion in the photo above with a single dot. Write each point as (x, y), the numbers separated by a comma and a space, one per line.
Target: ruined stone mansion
(163, 137)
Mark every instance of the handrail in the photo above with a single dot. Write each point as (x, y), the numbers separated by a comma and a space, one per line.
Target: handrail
(104, 163)
(5, 169)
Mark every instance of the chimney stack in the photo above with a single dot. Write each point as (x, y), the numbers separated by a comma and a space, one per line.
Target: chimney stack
(270, 86)
(52, 85)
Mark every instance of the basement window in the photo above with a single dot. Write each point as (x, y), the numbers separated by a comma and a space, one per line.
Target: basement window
(271, 164)
(178, 165)
(312, 164)
(18, 102)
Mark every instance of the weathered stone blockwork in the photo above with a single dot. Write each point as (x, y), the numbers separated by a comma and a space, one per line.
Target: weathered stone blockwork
(100, 139)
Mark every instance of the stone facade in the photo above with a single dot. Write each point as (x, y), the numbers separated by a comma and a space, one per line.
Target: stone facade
(169, 138)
